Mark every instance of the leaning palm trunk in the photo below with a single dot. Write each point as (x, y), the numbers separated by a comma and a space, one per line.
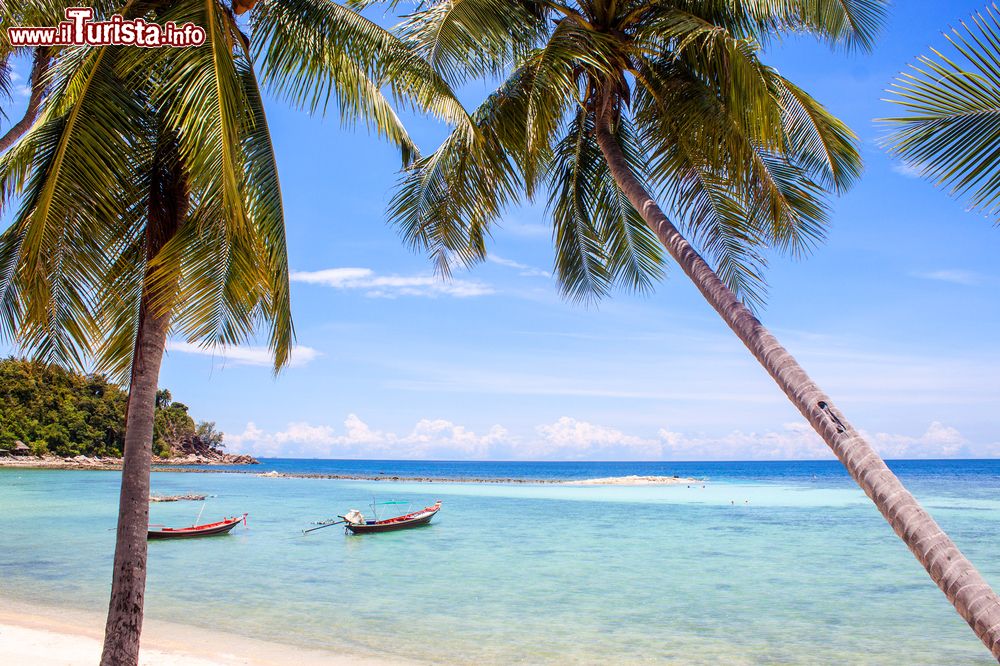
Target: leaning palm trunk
(954, 574)
(167, 208)
(38, 73)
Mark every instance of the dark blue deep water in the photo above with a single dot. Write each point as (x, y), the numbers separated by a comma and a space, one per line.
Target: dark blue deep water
(968, 478)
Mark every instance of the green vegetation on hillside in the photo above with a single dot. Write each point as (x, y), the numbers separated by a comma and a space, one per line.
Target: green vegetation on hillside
(53, 410)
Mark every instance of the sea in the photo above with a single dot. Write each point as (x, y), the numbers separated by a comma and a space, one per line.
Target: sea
(754, 563)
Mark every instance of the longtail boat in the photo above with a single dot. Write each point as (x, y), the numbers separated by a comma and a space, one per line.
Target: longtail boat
(356, 522)
(209, 529)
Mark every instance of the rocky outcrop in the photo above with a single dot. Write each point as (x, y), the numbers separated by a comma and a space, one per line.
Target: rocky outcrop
(49, 461)
(176, 498)
(209, 457)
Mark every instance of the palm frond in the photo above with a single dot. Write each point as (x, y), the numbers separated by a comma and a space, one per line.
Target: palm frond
(635, 255)
(6, 82)
(263, 191)
(582, 267)
(854, 24)
(447, 201)
(736, 198)
(950, 132)
(312, 51)
(474, 38)
(822, 143)
(602, 241)
(230, 287)
(729, 65)
(70, 171)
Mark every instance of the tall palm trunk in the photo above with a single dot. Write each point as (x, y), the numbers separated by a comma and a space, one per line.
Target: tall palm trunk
(168, 201)
(954, 574)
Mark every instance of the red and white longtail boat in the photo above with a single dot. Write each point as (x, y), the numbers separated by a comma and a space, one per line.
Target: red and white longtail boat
(209, 529)
(356, 522)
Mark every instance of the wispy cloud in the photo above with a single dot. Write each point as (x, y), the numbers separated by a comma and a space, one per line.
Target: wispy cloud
(391, 286)
(523, 269)
(955, 276)
(908, 170)
(244, 354)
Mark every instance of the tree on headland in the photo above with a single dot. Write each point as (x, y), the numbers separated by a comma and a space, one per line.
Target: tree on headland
(163, 399)
(149, 202)
(951, 128)
(611, 105)
(68, 413)
(57, 411)
(210, 436)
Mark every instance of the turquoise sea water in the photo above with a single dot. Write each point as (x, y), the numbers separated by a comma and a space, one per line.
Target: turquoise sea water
(767, 564)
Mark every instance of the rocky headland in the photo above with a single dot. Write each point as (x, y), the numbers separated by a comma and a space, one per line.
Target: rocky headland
(111, 463)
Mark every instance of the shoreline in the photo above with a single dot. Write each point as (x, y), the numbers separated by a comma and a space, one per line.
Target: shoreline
(66, 636)
(186, 467)
(115, 464)
(607, 481)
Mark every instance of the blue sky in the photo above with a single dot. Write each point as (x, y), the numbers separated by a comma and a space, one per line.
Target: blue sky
(895, 316)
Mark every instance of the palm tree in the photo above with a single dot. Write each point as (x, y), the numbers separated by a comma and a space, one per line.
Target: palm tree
(951, 130)
(149, 202)
(609, 105)
(39, 69)
(27, 14)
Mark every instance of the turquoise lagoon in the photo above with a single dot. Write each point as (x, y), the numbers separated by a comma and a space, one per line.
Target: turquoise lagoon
(754, 568)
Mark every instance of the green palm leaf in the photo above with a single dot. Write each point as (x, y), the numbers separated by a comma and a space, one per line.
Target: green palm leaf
(949, 132)
(70, 172)
(581, 261)
(313, 50)
(471, 38)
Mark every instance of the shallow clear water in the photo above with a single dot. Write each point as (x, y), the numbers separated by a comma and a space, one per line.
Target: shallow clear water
(769, 563)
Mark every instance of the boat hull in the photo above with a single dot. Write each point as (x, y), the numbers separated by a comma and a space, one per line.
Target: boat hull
(214, 529)
(419, 520)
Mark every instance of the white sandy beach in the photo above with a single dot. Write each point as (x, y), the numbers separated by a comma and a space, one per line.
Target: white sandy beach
(634, 480)
(44, 636)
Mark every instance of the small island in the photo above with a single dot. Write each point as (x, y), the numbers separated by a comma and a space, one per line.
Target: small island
(54, 418)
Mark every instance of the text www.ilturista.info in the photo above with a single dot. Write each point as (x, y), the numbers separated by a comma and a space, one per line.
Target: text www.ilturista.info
(78, 29)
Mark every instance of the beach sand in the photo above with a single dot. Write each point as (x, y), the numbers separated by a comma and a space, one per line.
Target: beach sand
(634, 480)
(46, 636)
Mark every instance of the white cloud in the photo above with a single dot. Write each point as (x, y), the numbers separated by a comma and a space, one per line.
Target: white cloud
(907, 170)
(429, 438)
(523, 269)
(391, 286)
(568, 438)
(244, 354)
(955, 276)
(795, 441)
(23, 91)
(939, 441)
(798, 441)
(14, 77)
